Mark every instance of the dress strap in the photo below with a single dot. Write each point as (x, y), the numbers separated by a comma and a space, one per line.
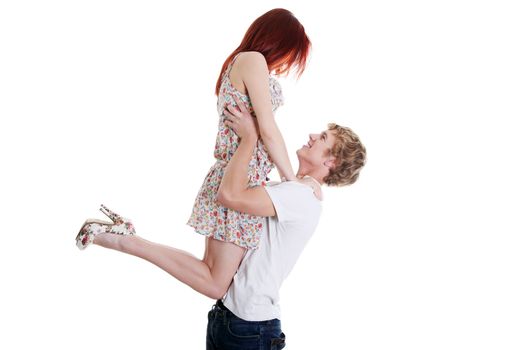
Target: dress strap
(231, 64)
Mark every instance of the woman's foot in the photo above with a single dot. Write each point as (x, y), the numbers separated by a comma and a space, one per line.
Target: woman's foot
(92, 227)
(108, 240)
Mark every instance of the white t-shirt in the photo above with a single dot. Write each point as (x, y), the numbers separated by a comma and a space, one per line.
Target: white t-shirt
(254, 292)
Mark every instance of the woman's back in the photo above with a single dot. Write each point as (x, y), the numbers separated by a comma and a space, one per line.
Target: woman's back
(227, 141)
(209, 218)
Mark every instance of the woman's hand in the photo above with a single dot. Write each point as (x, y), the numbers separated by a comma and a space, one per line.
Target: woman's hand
(241, 121)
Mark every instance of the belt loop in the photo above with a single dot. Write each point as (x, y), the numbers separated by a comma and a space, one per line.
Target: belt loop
(223, 311)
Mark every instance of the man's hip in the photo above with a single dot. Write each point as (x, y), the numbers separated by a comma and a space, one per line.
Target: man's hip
(227, 331)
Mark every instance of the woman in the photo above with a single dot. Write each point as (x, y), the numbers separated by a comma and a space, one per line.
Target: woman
(275, 43)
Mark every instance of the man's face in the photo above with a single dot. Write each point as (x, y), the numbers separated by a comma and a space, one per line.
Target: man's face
(316, 152)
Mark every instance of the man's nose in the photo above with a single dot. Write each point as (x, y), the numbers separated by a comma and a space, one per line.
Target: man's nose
(313, 137)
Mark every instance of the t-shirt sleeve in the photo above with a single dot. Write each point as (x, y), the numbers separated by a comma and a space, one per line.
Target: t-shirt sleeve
(293, 200)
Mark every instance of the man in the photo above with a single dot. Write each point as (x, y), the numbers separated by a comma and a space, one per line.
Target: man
(248, 317)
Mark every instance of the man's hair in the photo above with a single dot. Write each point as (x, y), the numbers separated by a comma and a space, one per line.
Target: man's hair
(350, 157)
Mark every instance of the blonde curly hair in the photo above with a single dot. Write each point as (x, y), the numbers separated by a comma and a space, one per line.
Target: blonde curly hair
(350, 157)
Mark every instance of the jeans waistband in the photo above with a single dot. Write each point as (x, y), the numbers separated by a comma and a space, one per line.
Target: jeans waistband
(219, 306)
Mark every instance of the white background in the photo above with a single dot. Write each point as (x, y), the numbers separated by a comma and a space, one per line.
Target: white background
(113, 102)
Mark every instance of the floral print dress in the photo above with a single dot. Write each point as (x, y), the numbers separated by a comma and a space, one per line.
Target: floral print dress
(210, 218)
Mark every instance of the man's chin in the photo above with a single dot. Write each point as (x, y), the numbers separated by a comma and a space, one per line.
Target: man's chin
(301, 150)
(300, 153)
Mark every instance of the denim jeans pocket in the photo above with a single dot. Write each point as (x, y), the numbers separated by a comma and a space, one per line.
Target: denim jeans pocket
(243, 329)
(279, 343)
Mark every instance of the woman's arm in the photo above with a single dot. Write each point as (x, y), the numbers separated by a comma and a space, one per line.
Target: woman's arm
(255, 76)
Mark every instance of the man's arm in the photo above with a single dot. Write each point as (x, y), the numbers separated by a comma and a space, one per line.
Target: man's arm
(234, 192)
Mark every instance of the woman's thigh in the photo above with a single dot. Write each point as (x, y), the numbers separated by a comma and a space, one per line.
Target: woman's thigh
(223, 259)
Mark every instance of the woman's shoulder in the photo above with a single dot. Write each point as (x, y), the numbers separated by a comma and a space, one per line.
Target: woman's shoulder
(251, 55)
(251, 59)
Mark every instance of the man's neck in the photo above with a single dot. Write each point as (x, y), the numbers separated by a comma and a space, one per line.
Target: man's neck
(301, 173)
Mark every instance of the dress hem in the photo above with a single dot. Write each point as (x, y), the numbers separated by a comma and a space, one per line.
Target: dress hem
(210, 234)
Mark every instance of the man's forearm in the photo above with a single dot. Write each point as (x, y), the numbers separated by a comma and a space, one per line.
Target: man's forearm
(235, 178)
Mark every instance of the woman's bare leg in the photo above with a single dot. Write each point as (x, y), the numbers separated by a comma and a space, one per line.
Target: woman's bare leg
(210, 276)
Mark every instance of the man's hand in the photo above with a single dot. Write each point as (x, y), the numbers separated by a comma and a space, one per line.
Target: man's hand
(234, 191)
(241, 121)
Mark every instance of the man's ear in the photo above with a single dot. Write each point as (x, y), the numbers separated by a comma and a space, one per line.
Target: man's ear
(330, 163)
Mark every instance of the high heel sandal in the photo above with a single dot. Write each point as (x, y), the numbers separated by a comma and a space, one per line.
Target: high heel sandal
(92, 227)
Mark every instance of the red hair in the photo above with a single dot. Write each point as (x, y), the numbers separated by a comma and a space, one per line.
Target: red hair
(280, 38)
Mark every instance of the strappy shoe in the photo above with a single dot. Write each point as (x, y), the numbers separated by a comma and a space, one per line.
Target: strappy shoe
(92, 227)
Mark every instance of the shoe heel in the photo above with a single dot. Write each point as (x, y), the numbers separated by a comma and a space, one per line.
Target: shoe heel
(110, 214)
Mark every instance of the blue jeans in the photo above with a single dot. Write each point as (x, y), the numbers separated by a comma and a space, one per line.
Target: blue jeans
(228, 332)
